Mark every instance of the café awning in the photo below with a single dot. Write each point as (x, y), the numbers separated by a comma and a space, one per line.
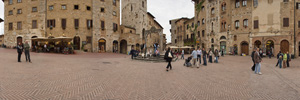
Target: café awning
(53, 39)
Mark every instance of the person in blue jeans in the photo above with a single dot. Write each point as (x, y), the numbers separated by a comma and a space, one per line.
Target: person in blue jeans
(217, 55)
(257, 60)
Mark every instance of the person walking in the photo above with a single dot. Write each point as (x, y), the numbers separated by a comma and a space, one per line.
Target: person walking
(27, 48)
(199, 53)
(252, 56)
(217, 55)
(278, 55)
(204, 55)
(132, 52)
(284, 60)
(19, 50)
(210, 53)
(182, 54)
(258, 61)
(288, 59)
(269, 54)
(194, 57)
(222, 52)
(168, 57)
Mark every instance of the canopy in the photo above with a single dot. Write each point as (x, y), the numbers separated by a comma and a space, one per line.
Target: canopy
(53, 39)
(173, 47)
(186, 47)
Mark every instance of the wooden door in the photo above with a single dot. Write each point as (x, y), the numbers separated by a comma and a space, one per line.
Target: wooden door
(245, 48)
(284, 46)
(19, 40)
(76, 42)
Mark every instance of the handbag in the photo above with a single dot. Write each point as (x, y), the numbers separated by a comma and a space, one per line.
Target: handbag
(170, 55)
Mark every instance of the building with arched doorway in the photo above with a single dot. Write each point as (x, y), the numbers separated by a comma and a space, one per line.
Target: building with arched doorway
(93, 25)
(246, 25)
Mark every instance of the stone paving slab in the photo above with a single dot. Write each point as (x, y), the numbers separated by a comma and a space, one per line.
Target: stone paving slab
(92, 76)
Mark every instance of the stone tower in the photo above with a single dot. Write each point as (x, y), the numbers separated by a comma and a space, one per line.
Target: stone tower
(134, 14)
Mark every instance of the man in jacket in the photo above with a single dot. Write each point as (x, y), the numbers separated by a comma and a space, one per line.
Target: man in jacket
(27, 55)
(257, 60)
(19, 50)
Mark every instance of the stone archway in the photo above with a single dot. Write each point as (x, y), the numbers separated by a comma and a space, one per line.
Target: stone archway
(76, 43)
(115, 46)
(257, 44)
(284, 46)
(245, 48)
(102, 45)
(223, 46)
(270, 47)
(123, 46)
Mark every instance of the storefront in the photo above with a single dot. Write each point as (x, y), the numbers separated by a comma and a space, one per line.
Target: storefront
(52, 45)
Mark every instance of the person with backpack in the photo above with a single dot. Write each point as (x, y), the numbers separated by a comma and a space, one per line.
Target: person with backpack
(169, 57)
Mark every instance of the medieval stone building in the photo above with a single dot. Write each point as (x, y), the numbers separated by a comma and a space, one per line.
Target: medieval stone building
(237, 26)
(93, 25)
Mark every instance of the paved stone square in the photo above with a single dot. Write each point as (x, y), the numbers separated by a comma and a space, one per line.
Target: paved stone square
(93, 76)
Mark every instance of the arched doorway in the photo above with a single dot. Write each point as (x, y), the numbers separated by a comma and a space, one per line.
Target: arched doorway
(34, 43)
(223, 46)
(270, 47)
(299, 48)
(137, 47)
(102, 45)
(257, 44)
(115, 46)
(123, 47)
(284, 46)
(76, 43)
(245, 48)
(19, 40)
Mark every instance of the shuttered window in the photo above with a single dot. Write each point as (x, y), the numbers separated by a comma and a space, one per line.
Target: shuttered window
(51, 23)
(34, 24)
(255, 24)
(285, 22)
(76, 23)
(63, 23)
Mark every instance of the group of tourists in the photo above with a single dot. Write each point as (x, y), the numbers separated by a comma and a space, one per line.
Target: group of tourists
(283, 59)
(20, 48)
(196, 56)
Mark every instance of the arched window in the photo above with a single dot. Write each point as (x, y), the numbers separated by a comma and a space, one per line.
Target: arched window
(202, 8)
(198, 22)
(224, 6)
(235, 38)
(212, 10)
(203, 21)
(212, 41)
(212, 27)
(222, 37)
(203, 33)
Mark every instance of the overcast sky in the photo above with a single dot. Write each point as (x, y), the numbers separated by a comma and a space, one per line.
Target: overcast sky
(163, 10)
(1, 16)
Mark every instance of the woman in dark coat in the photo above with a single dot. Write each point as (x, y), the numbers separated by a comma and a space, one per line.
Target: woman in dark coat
(168, 57)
